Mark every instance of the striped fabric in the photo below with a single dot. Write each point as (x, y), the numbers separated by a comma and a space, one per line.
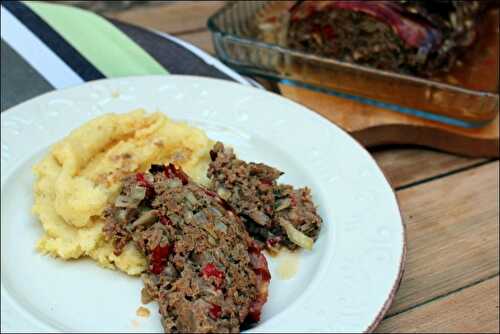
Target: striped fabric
(46, 46)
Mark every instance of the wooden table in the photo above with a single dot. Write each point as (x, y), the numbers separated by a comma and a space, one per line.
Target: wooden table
(449, 203)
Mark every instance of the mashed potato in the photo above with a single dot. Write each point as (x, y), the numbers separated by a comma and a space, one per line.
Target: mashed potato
(82, 174)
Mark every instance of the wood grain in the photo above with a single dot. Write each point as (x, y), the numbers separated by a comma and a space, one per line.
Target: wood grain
(404, 166)
(452, 234)
(472, 310)
(373, 126)
(175, 18)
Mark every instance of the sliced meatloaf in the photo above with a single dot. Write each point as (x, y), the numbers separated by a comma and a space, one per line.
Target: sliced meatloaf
(274, 214)
(205, 271)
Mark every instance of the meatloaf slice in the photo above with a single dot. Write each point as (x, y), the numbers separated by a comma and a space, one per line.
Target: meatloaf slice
(205, 271)
(274, 214)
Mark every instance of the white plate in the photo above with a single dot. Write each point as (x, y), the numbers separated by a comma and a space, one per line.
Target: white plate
(345, 284)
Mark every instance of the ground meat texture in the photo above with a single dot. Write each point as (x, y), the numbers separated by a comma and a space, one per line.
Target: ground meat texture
(265, 206)
(205, 271)
(355, 38)
(412, 37)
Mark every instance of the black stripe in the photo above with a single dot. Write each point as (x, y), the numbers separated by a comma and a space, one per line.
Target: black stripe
(53, 40)
(19, 80)
(173, 57)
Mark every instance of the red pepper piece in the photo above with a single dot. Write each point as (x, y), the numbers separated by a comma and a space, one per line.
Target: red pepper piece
(215, 311)
(266, 181)
(259, 262)
(165, 221)
(259, 265)
(254, 248)
(171, 172)
(210, 270)
(210, 193)
(271, 242)
(264, 274)
(141, 180)
(159, 258)
(255, 309)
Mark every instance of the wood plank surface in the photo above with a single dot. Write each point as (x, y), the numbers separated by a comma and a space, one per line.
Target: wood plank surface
(404, 166)
(452, 234)
(472, 310)
(174, 18)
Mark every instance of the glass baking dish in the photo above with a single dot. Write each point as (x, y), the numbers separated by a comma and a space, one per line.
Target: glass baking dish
(468, 96)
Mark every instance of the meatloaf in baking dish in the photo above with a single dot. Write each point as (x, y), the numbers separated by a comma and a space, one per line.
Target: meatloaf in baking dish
(205, 271)
(274, 214)
(414, 37)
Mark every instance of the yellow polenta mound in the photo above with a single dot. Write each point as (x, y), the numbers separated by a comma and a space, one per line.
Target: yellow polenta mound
(82, 174)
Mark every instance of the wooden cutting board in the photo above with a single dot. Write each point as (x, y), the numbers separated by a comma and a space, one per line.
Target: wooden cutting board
(374, 126)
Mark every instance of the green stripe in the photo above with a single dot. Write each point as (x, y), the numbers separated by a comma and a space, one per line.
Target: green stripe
(106, 47)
